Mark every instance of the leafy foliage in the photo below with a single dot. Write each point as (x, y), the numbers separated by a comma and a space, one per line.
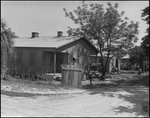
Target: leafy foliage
(145, 14)
(106, 28)
(6, 37)
(6, 45)
(137, 56)
(145, 39)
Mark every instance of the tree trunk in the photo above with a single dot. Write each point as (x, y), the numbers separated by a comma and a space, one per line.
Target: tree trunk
(141, 59)
(118, 68)
(90, 81)
(141, 65)
(103, 71)
(107, 61)
(102, 65)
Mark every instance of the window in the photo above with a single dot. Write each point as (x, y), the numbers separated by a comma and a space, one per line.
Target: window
(32, 58)
(19, 57)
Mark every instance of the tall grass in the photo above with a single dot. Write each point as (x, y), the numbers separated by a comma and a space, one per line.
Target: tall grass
(13, 73)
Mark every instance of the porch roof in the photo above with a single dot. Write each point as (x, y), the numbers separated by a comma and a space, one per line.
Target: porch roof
(104, 53)
(126, 57)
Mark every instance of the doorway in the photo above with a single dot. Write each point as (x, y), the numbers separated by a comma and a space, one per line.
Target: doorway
(61, 58)
(48, 60)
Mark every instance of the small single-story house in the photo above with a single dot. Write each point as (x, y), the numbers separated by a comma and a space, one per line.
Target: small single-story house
(113, 61)
(125, 62)
(126, 65)
(46, 53)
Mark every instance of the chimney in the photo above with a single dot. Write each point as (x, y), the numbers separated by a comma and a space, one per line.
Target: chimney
(35, 34)
(59, 34)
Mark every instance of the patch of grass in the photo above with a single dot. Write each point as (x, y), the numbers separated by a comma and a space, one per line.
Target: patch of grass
(141, 80)
(129, 71)
(121, 80)
(22, 85)
(134, 80)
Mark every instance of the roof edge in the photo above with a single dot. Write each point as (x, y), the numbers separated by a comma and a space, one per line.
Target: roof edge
(90, 44)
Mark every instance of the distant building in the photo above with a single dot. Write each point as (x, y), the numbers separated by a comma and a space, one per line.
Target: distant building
(126, 65)
(125, 62)
(113, 61)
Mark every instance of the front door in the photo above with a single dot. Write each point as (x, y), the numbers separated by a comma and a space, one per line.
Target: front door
(61, 58)
(49, 62)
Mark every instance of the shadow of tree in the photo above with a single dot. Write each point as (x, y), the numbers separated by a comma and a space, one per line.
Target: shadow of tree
(134, 91)
(136, 98)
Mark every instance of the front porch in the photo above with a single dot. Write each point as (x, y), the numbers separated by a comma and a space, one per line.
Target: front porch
(52, 61)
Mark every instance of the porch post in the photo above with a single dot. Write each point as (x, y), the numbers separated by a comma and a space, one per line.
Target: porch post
(96, 58)
(119, 61)
(54, 62)
(110, 66)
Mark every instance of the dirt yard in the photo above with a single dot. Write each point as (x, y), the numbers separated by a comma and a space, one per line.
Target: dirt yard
(119, 95)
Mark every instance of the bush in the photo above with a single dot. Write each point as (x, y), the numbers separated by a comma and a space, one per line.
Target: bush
(95, 67)
(4, 74)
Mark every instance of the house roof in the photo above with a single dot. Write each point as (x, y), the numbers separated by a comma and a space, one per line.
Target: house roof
(126, 57)
(44, 41)
(48, 41)
(104, 53)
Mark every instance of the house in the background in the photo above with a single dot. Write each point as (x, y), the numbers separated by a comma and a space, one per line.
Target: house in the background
(126, 65)
(125, 62)
(113, 61)
(47, 53)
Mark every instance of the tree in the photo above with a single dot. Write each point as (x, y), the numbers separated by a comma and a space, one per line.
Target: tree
(137, 56)
(6, 45)
(145, 39)
(106, 28)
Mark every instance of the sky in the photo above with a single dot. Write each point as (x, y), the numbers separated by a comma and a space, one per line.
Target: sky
(48, 17)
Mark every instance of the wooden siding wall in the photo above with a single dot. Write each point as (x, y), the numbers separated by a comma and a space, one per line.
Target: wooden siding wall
(24, 67)
(84, 44)
(80, 51)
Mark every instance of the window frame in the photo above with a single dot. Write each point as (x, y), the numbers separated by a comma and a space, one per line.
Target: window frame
(11, 59)
(32, 58)
(20, 53)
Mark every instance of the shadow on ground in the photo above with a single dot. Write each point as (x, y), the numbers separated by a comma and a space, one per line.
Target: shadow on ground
(18, 94)
(134, 90)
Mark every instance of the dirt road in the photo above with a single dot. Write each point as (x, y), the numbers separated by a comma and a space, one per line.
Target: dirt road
(88, 104)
